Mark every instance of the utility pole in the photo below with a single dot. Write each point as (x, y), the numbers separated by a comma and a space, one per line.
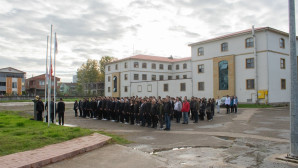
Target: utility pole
(294, 87)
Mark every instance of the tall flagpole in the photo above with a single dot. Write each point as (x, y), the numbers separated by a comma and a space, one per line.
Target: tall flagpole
(50, 80)
(45, 80)
(55, 79)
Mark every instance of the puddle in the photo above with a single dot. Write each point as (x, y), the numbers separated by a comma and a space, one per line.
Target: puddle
(183, 148)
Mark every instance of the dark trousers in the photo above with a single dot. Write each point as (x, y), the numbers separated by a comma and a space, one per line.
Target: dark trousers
(80, 112)
(76, 112)
(161, 121)
(137, 117)
(228, 108)
(39, 116)
(232, 109)
(192, 114)
(126, 116)
(202, 114)
(99, 116)
(178, 115)
(61, 118)
(132, 118)
(154, 119)
(117, 116)
(121, 117)
(104, 114)
(235, 106)
(143, 119)
(148, 120)
(84, 113)
(209, 115)
(168, 121)
(196, 116)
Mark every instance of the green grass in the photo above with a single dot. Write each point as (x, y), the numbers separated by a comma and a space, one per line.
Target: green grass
(18, 133)
(254, 106)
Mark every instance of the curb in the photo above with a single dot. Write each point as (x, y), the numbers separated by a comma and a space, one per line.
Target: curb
(54, 153)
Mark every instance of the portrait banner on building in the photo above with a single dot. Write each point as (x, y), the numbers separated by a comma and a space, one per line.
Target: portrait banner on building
(9, 85)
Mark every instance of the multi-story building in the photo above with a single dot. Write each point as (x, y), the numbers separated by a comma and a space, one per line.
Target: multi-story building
(12, 81)
(67, 89)
(253, 65)
(96, 88)
(36, 85)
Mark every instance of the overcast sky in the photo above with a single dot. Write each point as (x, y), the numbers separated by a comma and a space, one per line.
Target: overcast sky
(95, 28)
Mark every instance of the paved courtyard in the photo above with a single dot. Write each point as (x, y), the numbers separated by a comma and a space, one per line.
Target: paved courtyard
(251, 138)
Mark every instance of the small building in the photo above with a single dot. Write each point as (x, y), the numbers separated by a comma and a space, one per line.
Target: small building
(67, 89)
(36, 85)
(12, 81)
(96, 88)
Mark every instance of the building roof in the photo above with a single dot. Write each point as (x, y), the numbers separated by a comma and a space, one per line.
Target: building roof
(11, 70)
(247, 31)
(154, 58)
(42, 76)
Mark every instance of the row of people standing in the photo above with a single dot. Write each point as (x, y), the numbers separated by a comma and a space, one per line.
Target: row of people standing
(231, 104)
(146, 111)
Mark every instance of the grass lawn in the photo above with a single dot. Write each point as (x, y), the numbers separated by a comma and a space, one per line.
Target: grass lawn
(19, 133)
(254, 106)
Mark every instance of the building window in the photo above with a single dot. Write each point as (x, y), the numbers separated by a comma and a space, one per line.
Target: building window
(177, 76)
(144, 65)
(201, 86)
(109, 89)
(250, 84)
(109, 78)
(14, 85)
(136, 65)
(125, 89)
(283, 84)
(139, 88)
(170, 77)
(282, 43)
(153, 66)
(136, 76)
(282, 63)
(125, 65)
(249, 42)
(160, 77)
(184, 76)
(116, 66)
(153, 77)
(249, 63)
(125, 76)
(4, 84)
(200, 51)
(177, 67)
(149, 88)
(169, 67)
(201, 68)
(109, 68)
(223, 72)
(160, 66)
(144, 77)
(41, 83)
(224, 46)
(165, 87)
(185, 66)
(182, 87)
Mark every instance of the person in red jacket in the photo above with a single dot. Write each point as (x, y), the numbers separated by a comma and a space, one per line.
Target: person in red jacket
(185, 110)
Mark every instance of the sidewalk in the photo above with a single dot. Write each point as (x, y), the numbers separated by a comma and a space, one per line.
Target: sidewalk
(53, 153)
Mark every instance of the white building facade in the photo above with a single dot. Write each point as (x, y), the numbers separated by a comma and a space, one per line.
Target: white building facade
(251, 67)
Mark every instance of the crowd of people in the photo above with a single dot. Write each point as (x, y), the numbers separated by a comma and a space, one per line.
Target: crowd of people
(152, 111)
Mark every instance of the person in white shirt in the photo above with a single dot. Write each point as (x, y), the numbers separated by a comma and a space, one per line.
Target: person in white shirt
(227, 103)
(177, 110)
(218, 102)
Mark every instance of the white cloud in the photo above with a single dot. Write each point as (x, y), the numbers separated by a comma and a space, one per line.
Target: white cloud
(92, 29)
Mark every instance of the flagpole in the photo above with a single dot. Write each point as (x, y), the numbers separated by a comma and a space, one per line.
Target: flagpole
(46, 76)
(55, 78)
(50, 81)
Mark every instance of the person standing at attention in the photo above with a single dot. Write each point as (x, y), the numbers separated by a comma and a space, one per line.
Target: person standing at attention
(185, 109)
(227, 103)
(76, 107)
(61, 110)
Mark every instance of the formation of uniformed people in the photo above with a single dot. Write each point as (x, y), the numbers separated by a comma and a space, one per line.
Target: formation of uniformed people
(147, 111)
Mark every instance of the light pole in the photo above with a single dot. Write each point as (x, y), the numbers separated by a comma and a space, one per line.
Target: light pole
(294, 87)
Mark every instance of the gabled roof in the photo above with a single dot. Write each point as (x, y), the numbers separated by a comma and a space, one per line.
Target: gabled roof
(42, 76)
(154, 58)
(247, 31)
(11, 70)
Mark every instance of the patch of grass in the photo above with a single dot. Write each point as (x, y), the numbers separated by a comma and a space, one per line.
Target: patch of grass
(115, 138)
(19, 133)
(254, 106)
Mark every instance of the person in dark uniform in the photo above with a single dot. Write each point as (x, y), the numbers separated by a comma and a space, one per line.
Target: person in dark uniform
(160, 113)
(136, 109)
(76, 107)
(142, 112)
(113, 116)
(148, 109)
(51, 110)
(202, 109)
(126, 110)
(117, 110)
(61, 110)
(131, 113)
(99, 108)
(168, 113)
(39, 109)
(121, 111)
(85, 108)
(153, 113)
(88, 108)
(81, 108)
